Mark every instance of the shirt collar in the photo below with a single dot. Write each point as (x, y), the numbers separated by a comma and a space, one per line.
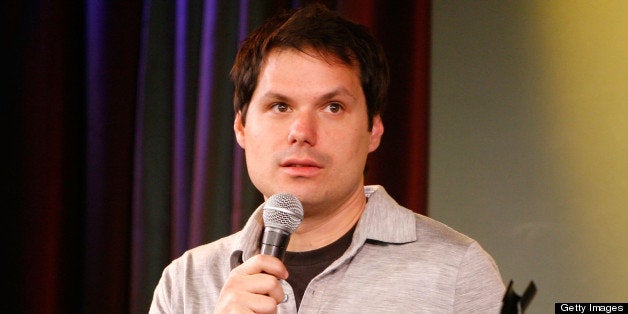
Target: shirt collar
(383, 220)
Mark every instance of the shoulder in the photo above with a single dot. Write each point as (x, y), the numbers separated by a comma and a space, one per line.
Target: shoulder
(387, 221)
(449, 244)
(475, 275)
(194, 279)
(207, 261)
(213, 254)
(429, 229)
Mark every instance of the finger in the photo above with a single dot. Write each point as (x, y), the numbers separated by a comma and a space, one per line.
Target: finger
(240, 285)
(254, 285)
(261, 284)
(277, 293)
(262, 304)
(244, 302)
(269, 285)
(262, 263)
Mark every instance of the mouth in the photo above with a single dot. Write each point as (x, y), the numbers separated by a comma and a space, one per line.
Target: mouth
(301, 167)
(299, 163)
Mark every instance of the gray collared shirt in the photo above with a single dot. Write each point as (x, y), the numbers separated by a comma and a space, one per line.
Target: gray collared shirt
(398, 262)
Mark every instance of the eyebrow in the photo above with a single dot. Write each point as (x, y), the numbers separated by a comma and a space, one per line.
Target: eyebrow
(340, 91)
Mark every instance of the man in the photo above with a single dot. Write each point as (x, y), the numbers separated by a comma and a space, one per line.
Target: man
(309, 90)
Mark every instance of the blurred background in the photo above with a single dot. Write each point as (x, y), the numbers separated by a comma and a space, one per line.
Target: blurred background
(506, 120)
(529, 140)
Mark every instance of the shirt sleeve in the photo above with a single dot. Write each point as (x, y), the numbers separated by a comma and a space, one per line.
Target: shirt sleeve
(161, 296)
(479, 286)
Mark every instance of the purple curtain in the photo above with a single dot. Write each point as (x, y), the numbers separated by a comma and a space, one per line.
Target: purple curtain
(121, 153)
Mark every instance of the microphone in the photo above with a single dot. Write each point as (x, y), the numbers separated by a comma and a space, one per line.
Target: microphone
(282, 215)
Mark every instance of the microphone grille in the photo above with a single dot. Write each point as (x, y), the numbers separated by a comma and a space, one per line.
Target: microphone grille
(283, 211)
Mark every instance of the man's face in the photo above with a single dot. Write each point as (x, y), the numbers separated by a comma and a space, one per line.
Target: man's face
(306, 130)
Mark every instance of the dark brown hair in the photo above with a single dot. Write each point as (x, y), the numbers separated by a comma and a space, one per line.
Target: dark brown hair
(313, 27)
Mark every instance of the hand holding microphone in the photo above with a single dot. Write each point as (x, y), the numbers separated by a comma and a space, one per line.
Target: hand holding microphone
(253, 286)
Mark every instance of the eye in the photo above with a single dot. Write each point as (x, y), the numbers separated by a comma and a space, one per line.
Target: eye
(334, 107)
(280, 107)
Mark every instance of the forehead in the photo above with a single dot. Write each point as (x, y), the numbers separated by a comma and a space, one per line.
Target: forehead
(313, 54)
(293, 66)
(288, 74)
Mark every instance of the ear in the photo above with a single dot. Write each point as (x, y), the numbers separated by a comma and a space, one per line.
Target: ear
(238, 128)
(376, 133)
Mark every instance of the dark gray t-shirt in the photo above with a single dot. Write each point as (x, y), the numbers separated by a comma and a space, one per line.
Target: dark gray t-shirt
(303, 266)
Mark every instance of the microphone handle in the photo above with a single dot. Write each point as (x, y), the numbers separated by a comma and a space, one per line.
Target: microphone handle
(274, 242)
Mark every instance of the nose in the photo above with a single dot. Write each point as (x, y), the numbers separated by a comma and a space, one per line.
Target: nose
(303, 129)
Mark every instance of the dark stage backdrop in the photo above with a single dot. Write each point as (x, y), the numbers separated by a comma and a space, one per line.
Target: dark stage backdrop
(119, 150)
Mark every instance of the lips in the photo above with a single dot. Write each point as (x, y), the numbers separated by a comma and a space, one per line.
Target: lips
(299, 163)
(300, 167)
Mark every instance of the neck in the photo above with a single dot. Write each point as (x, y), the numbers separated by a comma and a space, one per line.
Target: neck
(317, 231)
